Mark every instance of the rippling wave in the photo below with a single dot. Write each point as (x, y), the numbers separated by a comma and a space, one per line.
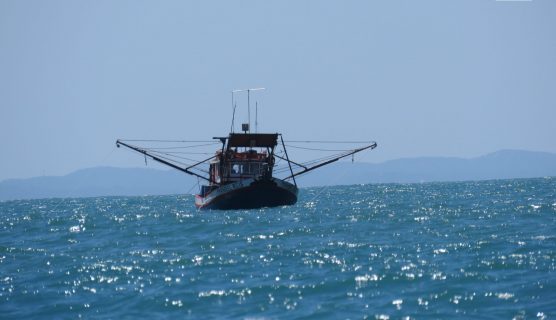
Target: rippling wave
(435, 250)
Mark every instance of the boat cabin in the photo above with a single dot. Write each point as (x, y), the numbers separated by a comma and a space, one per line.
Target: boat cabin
(243, 156)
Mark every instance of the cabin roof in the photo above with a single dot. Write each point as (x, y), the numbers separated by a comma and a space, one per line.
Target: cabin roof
(261, 140)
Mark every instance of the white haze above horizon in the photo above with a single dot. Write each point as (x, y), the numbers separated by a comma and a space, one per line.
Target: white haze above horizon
(422, 78)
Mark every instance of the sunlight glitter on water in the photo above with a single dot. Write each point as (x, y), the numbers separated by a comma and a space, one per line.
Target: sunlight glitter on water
(420, 251)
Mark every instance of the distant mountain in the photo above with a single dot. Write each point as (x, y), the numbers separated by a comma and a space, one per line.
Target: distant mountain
(98, 181)
(104, 181)
(505, 164)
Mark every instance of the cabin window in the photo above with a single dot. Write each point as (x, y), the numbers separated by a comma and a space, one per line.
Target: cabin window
(246, 169)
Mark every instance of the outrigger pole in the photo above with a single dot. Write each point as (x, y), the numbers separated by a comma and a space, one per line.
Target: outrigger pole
(293, 175)
(224, 139)
(186, 170)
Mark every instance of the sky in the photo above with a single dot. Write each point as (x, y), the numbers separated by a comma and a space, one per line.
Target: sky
(422, 78)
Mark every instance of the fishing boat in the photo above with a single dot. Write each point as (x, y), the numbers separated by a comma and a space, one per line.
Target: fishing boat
(241, 173)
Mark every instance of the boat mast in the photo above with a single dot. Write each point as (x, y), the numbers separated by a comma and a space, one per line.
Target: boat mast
(233, 113)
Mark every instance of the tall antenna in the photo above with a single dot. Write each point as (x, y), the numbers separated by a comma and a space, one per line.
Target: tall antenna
(233, 113)
(248, 105)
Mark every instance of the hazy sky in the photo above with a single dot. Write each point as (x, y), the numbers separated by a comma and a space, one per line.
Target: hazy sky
(422, 78)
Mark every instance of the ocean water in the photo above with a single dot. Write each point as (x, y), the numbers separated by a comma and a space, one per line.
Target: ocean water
(414, 251)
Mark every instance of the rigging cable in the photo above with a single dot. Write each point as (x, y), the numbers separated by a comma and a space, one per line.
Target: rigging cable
(151, 140)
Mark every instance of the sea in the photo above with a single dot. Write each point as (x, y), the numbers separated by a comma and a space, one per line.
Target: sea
(457, 250)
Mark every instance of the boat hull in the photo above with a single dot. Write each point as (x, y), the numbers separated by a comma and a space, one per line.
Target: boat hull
(249, 194)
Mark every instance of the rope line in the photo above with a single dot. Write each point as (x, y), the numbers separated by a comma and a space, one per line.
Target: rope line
(322, 141)
(184, 141)
(317, 149)
(176, 155)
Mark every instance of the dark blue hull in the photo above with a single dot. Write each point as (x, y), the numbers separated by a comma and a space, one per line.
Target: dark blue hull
(251, 194)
